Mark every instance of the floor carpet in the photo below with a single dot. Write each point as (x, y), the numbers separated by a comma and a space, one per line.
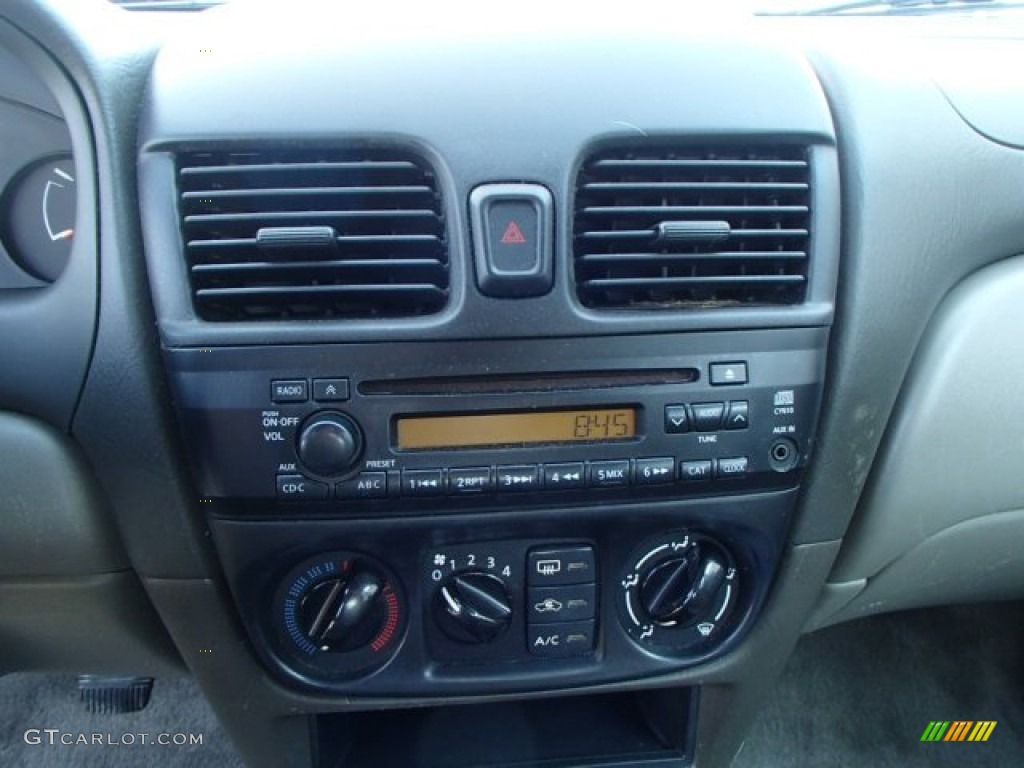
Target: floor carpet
(862, 694)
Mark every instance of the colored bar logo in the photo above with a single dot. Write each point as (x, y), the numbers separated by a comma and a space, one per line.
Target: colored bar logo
(959, 730)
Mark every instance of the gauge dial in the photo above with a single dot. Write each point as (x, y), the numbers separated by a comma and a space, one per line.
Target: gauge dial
(41, 217)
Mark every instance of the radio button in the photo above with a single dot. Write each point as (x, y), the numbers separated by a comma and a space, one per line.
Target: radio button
(654, 471)
(518, 478)
(290, 391)
(707, 417)
(609, 474)
(677, 420)
(738, 416)
(423, 482)
(695, 471)
(299, 488)
(471, 480)
(563, 477)
(330, 390)
(733, 467)
(367, 485)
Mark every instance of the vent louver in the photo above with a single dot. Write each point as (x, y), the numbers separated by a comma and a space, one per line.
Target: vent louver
(692, 228)
(304, 234)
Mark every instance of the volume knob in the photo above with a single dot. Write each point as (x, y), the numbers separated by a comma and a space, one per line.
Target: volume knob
(329, 444)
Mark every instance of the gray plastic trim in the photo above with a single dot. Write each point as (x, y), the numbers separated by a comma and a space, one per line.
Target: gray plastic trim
(974, 561)
(954, 448)
(53, 520)
(59, 319)
(100, 624)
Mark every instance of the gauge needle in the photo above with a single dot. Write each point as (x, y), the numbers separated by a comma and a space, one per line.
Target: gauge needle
(64, 235)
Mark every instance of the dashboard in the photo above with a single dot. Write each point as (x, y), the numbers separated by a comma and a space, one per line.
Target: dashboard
(413, 372)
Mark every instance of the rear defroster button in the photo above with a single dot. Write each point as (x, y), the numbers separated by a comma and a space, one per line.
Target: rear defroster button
(563, 565)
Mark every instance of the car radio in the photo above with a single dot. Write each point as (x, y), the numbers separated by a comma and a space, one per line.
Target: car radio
(445, 426)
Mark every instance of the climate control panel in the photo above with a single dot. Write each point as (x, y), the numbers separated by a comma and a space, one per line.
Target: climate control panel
(468, 603)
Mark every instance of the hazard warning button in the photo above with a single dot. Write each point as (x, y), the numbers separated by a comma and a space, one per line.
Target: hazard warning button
(512, 234)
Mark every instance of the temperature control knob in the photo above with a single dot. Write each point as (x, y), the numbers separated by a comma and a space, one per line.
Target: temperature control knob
(344, 613)
(473, 607)
(679, 593)
(339, 615)
(329, 444)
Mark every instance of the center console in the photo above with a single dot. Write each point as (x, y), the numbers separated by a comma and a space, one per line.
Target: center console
(496, 419)
(393, 521)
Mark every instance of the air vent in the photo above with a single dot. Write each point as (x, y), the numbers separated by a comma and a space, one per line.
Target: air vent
(692, 228)
(308, 234)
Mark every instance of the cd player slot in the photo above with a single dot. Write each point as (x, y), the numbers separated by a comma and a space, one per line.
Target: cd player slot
(528, 383)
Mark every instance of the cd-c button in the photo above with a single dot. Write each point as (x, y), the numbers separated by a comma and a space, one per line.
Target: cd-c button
(299, 488)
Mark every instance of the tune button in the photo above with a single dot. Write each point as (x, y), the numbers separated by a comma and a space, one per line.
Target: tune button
(707, 417)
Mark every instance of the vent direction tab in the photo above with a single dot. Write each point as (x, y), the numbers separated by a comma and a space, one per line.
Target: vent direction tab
(693, 231)
(297, 238)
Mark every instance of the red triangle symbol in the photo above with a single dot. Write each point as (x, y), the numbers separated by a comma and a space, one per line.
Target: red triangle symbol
(513, 235)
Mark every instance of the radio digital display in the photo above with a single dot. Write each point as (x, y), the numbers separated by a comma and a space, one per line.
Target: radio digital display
(493, 430)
